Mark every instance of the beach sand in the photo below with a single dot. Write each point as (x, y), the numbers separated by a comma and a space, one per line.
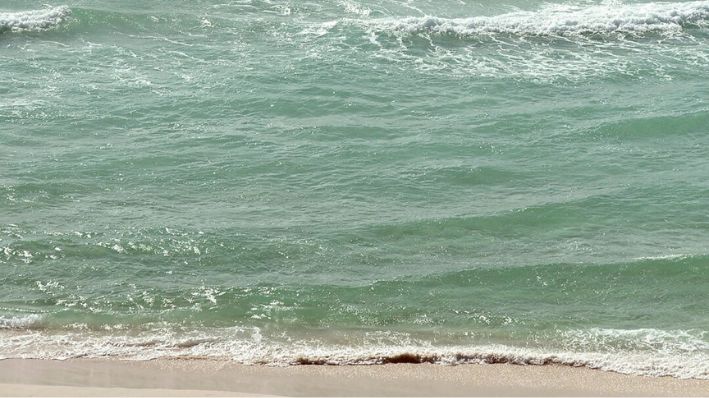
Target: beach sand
(91, 377)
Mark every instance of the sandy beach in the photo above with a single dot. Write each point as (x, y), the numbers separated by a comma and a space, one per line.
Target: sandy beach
(89, 377)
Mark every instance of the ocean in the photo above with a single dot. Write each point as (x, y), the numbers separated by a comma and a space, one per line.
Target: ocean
(357, 182)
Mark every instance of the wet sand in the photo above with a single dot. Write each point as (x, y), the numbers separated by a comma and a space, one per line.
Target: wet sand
(92, 377)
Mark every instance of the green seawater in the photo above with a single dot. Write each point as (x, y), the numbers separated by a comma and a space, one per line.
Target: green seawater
(357, 181)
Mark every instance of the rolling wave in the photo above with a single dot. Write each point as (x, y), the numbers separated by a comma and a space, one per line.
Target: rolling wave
(34, 20)
(558, 20)
(19, 322)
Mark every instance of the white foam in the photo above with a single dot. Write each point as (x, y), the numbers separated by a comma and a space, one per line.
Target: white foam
(19, 322)
(34, 20)
(560, 19)
(250, 346)
(664, 257)
(355, 8)
(647, 339)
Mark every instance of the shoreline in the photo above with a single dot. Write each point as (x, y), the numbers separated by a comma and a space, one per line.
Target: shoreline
(200, 377)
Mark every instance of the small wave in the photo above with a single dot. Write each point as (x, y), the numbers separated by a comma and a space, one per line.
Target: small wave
(19, 322)
(34, 20)
(561, 20)
(249, 346)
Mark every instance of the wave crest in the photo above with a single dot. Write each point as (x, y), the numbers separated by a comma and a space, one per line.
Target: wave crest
(19, 322)
(562, 20)
(34, 20)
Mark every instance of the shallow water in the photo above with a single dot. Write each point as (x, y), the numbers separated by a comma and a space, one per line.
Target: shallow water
(348, 182)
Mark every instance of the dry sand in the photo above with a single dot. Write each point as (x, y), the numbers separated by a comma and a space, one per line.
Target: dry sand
(89, 377)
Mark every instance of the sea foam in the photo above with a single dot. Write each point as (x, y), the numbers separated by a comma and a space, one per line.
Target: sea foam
(685, 358)
(559, 19)
(34, 20)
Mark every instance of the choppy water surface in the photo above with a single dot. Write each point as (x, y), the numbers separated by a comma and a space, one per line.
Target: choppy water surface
(340, 182)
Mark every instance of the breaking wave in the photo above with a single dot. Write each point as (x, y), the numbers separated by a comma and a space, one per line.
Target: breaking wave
(558, 20)
(34, 20)
(19, 322)
(651, 352)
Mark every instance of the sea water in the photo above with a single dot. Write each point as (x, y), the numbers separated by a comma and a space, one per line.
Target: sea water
(357, 182)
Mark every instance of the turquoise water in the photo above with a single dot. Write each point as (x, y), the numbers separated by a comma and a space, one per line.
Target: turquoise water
(341, 182)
